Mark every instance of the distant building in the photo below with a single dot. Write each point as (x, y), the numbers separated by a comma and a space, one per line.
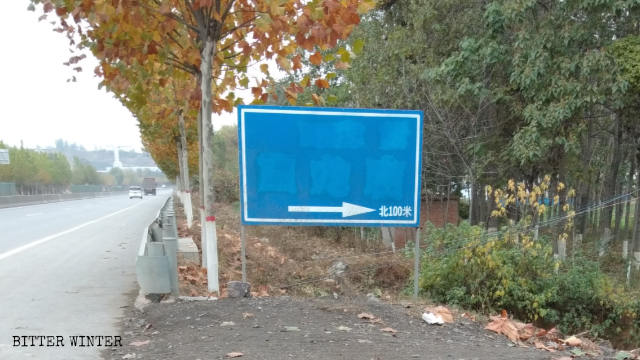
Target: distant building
(116, 158)
(440, 211)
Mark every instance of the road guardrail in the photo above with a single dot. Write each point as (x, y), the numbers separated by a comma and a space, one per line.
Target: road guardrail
(22, 200)
(156, 263)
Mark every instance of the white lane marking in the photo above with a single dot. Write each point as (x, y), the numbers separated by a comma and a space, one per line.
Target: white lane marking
(35, 214)
(24, 247)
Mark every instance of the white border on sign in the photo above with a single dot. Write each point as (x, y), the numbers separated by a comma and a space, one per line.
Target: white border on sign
(416, 191)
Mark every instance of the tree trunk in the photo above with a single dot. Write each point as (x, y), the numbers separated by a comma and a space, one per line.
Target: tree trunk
(611, 178)
(471, 202)
(184, 159)
(628, 229)
(619, 207)
(203, 235)
(584, 197)
(179, 178)
(208, 169)
(636, 227)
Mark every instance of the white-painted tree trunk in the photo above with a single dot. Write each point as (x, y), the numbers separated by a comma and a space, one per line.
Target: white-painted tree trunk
(178, 180)
(604, 242)
(203, 241)
(208, 170)
(562, 248)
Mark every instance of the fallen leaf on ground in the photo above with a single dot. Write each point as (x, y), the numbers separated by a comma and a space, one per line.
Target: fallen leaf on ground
(541, 333)
(234, 354)
(468, 316)
(527, 332)
(441, 311)
(227, 323)
(553, 334)
(573, 341)
(366, 316)
(344, 328)
(389, 330)
(140, 343)
(503, 325)
(247, 315)
(590, 347)
(263, 291)
(541, 346)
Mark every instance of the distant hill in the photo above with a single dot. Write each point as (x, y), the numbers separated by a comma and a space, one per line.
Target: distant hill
(102, 159)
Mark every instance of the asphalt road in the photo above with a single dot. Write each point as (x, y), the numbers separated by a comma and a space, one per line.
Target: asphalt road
(68, 269)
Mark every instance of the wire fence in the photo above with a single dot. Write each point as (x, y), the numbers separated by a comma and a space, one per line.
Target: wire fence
(550, 226)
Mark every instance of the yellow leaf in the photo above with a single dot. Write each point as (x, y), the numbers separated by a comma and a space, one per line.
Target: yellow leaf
(317, 99)
(365, 6)
(305, 81)
(345, 56)
(358, 45)
(276, 10)
(264, 68)
(329, 57)
(284, 63)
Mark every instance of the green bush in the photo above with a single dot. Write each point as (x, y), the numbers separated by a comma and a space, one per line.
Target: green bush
(464, 266)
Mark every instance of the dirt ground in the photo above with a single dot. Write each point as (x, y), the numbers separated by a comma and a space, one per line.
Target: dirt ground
(300, 311)
(295, 261)
(290, 328)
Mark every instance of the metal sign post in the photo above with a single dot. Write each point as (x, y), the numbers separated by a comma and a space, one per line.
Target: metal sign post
(243, 252)
(416, 264)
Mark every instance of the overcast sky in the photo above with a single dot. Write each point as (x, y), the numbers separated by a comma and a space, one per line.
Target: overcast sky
(40, 106)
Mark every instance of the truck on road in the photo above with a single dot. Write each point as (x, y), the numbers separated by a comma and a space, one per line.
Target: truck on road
(149, 186)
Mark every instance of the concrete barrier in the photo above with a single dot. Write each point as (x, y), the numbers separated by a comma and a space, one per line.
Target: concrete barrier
(23, 200)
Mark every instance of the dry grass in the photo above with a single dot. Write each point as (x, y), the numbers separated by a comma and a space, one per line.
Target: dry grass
(295, 260)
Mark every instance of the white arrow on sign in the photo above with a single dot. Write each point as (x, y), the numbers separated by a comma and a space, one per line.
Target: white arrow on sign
(346, 209)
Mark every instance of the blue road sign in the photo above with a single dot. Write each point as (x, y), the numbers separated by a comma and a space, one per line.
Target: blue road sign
(329, 166)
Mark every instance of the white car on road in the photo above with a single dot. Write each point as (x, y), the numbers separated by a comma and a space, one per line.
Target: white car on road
(135, 191)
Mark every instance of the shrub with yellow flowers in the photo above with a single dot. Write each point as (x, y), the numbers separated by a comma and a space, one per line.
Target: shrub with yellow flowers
(507, 269)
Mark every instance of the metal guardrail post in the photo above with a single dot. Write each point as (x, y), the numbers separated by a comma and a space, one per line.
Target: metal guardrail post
(170, 240)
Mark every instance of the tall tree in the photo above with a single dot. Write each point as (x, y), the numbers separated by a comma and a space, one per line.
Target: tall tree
(213, 39)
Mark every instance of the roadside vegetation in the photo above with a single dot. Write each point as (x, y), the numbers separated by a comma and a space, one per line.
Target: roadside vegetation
(37, 172)
(530, 119)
